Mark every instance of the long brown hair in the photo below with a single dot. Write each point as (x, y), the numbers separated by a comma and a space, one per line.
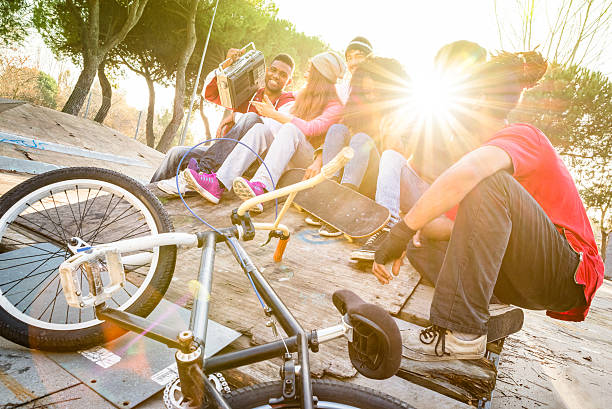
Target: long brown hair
(504, 78)
(312, 100)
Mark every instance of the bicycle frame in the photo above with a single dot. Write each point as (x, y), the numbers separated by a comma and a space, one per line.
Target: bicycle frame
(191, 362)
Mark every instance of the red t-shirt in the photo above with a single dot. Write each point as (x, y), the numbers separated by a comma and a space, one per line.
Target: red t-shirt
(211, 93)
(540, 170)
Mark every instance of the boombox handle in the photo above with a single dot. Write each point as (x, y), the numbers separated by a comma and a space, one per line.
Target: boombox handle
(243, 48)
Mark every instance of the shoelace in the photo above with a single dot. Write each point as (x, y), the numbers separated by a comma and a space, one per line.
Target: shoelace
(375, 236)
(429, 334)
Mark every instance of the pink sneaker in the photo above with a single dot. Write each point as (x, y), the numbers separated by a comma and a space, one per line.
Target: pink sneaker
(246, 190)
(206, 184)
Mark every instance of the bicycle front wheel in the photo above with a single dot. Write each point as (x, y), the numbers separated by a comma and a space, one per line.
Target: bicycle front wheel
(330, 394)
(38, 220)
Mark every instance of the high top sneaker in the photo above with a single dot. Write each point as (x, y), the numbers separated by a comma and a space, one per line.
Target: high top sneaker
(246, 190)
(206, 184)
(367, 251)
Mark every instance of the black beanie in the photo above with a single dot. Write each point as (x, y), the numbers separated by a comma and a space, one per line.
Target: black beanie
(360, 43)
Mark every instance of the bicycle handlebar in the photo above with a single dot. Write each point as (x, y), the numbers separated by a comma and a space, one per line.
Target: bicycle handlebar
(327, 171)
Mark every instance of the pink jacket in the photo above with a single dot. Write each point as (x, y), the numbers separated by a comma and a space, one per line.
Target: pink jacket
(315, 129)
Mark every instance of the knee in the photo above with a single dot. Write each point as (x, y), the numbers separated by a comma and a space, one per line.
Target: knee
(251, 118)
(289, 131)
(392, 158)
(362, 142)
(495, 185)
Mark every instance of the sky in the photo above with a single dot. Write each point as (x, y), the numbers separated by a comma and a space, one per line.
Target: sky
(409, 30)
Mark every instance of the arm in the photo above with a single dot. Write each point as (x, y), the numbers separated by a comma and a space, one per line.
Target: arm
(319, 125)
(446, 192)
(455, 183)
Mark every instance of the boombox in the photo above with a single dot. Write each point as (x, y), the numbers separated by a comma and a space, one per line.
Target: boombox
(241, 80)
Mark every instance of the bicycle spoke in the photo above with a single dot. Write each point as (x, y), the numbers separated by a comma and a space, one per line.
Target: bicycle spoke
(78, 233)
(116, 219)
(133, 232)
(39, 294)
(25, 264)
(54, 225)
(30, 273)
(51, 238)
(106, 215)
(57, 291)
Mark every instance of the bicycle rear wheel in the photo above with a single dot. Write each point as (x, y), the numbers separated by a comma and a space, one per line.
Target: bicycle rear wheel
(330, 394)
(38, 219)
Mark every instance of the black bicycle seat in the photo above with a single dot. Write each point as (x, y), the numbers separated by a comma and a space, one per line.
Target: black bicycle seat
(376, 349)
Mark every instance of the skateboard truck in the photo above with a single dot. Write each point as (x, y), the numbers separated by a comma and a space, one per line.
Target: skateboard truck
(278, 234)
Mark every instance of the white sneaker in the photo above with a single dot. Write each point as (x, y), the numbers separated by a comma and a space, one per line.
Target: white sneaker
(169, 185)
(313, 221)
(439, 344)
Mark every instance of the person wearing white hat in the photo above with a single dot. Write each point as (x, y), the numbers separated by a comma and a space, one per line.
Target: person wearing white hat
(317, 107)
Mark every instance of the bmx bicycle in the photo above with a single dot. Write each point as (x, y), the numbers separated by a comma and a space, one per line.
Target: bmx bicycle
(87, 253)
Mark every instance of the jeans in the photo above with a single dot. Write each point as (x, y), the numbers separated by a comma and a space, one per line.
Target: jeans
(362, 170)
(258, 138)
(398, 186)
(290, 147)
(502, 243)
(209, 159)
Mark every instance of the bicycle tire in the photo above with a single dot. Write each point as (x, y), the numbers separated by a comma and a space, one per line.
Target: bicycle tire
(36, 218)
(331, 395)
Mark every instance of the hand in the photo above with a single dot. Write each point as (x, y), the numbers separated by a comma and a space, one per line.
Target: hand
(381, 272)
(265, 107)
(314, 169)
(416, 240)
(227, 121)
(232, 55)
(395, 243)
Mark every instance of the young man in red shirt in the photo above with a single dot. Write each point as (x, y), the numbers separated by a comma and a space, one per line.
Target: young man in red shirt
(278, 76)
(521, 232)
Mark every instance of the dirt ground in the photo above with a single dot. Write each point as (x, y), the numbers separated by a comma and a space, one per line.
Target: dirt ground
(549, 363)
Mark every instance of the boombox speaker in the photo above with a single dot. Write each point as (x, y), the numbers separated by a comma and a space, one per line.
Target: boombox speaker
(241, 80)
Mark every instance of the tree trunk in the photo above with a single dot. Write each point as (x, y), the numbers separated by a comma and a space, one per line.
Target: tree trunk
(81, 89)
(107, 94)
(179, 96)
(204, 118)
(150, 113)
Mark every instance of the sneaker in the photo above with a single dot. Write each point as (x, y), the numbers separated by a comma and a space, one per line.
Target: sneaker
(206, 184)
(169, 185)
(367, 251)
(193, 165)
(246, 190)
(328, 231)
(313, 221)
(439, 344)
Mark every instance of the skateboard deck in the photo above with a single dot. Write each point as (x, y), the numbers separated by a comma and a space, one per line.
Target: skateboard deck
(352, 213)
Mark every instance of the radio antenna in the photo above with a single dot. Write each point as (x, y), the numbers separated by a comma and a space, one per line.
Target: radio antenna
(197, 81)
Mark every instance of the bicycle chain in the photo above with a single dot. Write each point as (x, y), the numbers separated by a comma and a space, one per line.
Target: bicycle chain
(173, 387)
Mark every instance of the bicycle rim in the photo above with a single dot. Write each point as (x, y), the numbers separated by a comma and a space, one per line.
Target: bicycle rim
(34, 236)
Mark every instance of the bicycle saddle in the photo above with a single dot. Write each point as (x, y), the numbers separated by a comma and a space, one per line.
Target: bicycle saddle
(376, 349)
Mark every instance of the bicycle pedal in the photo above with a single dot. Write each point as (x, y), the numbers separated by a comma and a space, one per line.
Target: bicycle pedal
(101, 266)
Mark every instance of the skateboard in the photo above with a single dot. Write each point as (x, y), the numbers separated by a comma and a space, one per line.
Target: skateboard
(354, 214)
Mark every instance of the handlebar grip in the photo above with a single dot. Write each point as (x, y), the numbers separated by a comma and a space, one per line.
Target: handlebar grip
(338, 162)
(280, 249)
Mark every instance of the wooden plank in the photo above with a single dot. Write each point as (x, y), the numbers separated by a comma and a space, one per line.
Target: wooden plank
(312, 269)
(416, 309)
(464, 380)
